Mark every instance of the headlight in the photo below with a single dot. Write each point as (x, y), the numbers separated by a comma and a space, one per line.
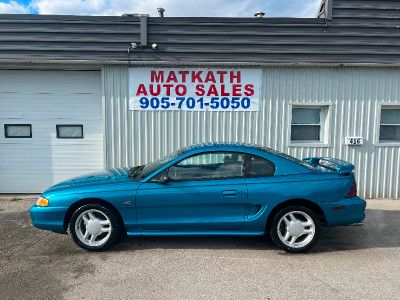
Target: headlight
(42, 201)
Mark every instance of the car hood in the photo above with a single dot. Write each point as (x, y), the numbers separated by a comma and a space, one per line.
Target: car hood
(92, 180)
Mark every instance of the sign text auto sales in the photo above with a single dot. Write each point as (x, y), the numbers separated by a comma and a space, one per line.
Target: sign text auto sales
(194, 89)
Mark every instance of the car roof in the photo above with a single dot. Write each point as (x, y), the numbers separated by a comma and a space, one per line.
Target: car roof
(223, 144)
(239, 146)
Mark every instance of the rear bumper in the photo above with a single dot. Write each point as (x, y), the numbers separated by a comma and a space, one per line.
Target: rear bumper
(344, 212)
(48, 218)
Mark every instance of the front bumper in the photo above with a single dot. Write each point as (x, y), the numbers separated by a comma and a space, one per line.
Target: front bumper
(344, 212)
(48, 218)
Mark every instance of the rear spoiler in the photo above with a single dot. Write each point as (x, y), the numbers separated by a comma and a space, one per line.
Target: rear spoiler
(333, 164)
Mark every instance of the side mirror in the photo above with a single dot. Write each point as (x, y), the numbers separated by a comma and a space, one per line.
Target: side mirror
(164, 178)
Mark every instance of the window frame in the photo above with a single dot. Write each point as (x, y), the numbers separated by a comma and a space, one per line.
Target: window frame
(384, 105)
(154, 178)
(17, 137)
(325, 124)
(69, 125)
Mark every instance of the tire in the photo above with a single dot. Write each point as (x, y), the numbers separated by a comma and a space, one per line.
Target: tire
(94, 227)
(295, 229)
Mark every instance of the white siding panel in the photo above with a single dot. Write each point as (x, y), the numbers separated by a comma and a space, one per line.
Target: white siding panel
(46, 99)
(353, 95)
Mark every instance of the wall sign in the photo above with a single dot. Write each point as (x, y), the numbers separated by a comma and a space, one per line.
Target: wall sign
(194, 89)
(354, 141)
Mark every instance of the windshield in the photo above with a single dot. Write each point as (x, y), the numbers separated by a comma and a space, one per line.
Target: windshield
(286, 156)
(154, 166)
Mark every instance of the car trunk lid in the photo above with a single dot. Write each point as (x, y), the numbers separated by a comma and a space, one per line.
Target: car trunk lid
(341, 167)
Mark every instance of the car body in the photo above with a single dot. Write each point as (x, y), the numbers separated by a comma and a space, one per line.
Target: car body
(206, 189)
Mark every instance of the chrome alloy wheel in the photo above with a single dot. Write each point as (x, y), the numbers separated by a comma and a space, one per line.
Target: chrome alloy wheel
(93, 227)
(296, 229)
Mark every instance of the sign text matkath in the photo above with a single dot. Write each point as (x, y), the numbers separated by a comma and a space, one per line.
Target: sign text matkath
(194, 89)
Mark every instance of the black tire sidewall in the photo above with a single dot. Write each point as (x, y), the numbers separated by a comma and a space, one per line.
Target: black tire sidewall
(274, 229)
(114, 227)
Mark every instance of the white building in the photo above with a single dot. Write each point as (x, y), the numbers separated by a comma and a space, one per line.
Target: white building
(77, 93)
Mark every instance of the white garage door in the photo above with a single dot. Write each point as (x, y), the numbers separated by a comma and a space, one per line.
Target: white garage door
(38, 147)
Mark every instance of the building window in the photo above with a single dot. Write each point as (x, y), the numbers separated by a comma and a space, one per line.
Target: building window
(309, 124)
(389, 131)
(18, 130)
(69, 131)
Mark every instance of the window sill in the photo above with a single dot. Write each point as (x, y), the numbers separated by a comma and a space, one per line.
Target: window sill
(308, 144)
(387, 144)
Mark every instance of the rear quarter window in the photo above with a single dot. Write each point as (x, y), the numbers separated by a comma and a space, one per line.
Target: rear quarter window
(286, 156)
(256, 166)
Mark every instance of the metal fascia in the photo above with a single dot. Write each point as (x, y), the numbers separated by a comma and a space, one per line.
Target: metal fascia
(194, 63)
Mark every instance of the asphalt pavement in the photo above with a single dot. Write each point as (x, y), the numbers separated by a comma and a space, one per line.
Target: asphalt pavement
(350, 262)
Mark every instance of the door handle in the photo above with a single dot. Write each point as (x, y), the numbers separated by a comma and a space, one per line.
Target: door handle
(230, 193)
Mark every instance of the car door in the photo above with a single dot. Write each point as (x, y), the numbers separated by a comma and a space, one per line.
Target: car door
(263, 188)
(206, 192)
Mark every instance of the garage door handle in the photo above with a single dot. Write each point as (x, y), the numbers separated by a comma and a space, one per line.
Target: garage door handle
(230, 193)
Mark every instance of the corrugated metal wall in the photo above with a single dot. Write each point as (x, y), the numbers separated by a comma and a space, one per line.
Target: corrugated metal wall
(354, 94)
(361, 31)
(67, 38)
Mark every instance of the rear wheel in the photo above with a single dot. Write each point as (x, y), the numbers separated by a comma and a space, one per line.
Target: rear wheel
(94, 227)
(295, 229)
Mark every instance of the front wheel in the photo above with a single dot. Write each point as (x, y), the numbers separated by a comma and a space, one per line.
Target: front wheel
(94, 227)
(295, 229)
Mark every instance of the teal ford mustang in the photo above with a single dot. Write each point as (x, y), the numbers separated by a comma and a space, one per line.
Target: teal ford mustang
(206, 189)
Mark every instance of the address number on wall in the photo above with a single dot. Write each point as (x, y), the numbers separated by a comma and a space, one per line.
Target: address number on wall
(354, 141)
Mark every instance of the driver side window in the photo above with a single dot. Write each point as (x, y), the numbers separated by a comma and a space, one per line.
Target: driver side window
(208, 166)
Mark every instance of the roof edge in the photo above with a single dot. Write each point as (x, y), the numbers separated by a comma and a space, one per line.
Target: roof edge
(192, 64)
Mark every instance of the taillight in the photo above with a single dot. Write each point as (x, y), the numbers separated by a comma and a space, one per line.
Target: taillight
(353, 189)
